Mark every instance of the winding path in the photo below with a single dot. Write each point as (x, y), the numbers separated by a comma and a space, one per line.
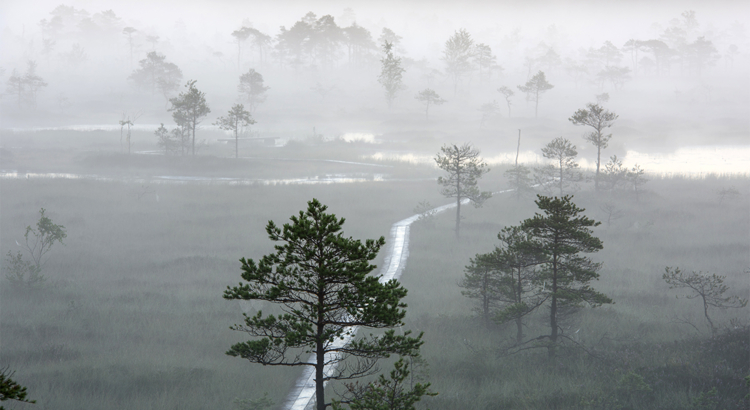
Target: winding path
(302, 396)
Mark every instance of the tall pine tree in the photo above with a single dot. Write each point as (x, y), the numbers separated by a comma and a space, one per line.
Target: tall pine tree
(562, 233)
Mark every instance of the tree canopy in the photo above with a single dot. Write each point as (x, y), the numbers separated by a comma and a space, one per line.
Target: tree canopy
(391, 73)
(464, 168)
(561, 233)
(534, 88)
(157, 74)
(596, 117)
(459, 49)
(321, 281)
(564, 172)
(188, 108)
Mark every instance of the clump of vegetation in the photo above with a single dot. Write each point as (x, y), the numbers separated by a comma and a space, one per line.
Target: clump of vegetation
(11, 390)
(38, 242)
(426, 212)
(710, 288)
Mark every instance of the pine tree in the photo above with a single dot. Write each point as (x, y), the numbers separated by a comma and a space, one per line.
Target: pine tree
(188, 108)
(561, 234)
(237, 118)
(599, 119)
(464, 168)
(391, 73)
(321, 281)
(534, 89)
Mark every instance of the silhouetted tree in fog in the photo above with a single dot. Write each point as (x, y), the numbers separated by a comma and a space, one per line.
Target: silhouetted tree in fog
(596, 117)
(156, 73)
(16, 87)
(391, 73)
(252, 88)
(292, 44)
(390, 36)
(507, 93)
(261, 41)
(710, 288)
(564, 172)
(504, 280)
(559, 235)
(428, 97)
(188, 108)
(237, 118)
(25, 87)
(128, 31)
(327, 36)
(615, 173)
(459, 49)
(166, 140)
(637, 177)
(240, 36)
(486, 61)
(534, 89)
(359, 45)
(489, 110)
(464, 168)
(701, 53)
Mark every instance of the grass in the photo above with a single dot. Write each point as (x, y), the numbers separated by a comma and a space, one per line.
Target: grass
(647, 332)
(132, 316)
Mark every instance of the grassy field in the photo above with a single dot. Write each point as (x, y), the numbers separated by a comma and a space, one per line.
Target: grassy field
(647, 332)
(131, 314)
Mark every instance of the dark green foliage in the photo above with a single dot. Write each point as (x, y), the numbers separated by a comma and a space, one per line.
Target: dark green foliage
(504, 280)
(562, 233)
(321, 281)
(386, 393)
(11, 390)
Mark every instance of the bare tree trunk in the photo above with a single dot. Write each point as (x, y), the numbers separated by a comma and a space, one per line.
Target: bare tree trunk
(193, 129)
(553, 312)
(319, 388)
(518, 149)
(519, 322)
(458, 215)
(598, 161)
(458, 200)
(710, 323)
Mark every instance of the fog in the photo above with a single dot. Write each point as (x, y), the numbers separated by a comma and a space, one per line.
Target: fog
(158, 206)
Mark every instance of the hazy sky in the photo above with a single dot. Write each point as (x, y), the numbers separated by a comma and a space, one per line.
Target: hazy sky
(589, 16)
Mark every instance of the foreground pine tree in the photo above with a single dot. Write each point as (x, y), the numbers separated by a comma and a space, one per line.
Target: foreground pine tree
(562, 234)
